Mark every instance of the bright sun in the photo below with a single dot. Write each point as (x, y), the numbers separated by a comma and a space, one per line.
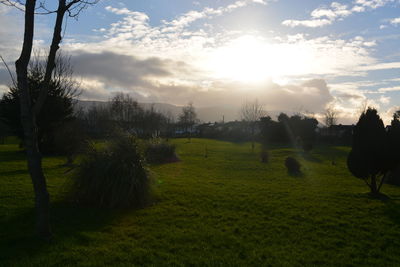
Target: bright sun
(251, 60)
(244, 59)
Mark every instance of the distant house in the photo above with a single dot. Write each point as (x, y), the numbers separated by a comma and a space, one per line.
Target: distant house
(191, 130)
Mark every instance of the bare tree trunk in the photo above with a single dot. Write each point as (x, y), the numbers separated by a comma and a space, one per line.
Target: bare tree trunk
(373, 186)
(28, 121)
(252, 136)
(382, 181)
(29, 112)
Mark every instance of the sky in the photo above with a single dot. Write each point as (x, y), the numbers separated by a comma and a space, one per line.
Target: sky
(290, 55)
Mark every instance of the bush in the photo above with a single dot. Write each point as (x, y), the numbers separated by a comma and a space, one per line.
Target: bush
(264, 156)
(307, 147)
(70, 140)
(393, 177)
(292, 165)
(113, 177)
(160, 152)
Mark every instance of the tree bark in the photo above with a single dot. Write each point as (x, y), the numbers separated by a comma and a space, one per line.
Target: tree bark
(28, 121)
(52, 57)
(382, 180)
(29, 112)
(373, 186)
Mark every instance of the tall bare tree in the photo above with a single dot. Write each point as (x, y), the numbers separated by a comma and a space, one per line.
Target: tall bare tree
(30, 110)
(331, 117)
(251, 112)
(188, 118)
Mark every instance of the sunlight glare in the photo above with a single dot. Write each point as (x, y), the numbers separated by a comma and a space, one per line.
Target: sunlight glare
(252, 60)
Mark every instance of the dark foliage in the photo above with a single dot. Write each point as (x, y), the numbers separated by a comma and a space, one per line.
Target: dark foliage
(393, 177)
(125, 113)
(289, 130)
(57, 109)
(160, 152)
(97, 121)
(393, 143)
(69, 140)
(264, 156)
(115, 177)
(307, 146)
(4, 131)
(393, 150)
(367, 159)
(293, 166)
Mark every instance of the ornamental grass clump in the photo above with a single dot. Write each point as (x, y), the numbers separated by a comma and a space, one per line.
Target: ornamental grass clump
(158, 151)
(112, 177)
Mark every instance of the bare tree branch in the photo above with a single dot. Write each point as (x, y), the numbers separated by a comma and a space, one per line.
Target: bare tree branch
(9, 71)
(330, 117)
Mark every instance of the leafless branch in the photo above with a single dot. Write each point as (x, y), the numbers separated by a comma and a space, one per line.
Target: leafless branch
(9, 71)
(73, 8)
(330, 117)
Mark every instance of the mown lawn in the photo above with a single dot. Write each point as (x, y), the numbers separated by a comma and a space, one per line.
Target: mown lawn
(223, 210)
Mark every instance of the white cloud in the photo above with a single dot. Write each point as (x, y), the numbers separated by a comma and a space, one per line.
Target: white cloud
(290, 58)
(380, 66)
(373, 3)
(389, 89)
(323, 16)
(395, 21)
(313, 23)
(384, 100)
(150, 61)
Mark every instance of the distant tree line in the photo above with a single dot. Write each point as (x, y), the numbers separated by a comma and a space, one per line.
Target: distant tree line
(125, 113)
(298, 130)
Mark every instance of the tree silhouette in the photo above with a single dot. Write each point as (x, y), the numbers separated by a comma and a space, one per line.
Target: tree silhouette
(393, 149)
(57, 108)
(188, 118)
(29, 109)
(367, 159)
(330, 117)
(252, 112)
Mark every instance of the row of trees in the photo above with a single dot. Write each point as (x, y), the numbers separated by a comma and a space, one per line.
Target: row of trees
(127, 114)
(298, 130)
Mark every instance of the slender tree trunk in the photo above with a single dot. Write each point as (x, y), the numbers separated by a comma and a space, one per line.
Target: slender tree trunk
(382, 181)
(28, 121)
(29, 112)
(373, 186)
(252, 137)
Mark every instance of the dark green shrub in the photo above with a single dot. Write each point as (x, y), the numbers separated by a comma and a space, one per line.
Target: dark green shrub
(264, 156)
(307, 146)
(367, 159)
(393, 177)
(292, 165)
(113, 177)
(160, 152)
(70, 140)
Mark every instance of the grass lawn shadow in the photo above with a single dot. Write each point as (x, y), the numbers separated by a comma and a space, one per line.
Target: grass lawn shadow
(392, 210)
(70, 224)
(11, 155)
(310, 157)
(299, 174)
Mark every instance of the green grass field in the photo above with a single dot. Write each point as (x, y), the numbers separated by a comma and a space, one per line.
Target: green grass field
(228, 209)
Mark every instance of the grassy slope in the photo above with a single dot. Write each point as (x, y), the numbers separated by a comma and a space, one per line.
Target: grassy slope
(227, 209)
